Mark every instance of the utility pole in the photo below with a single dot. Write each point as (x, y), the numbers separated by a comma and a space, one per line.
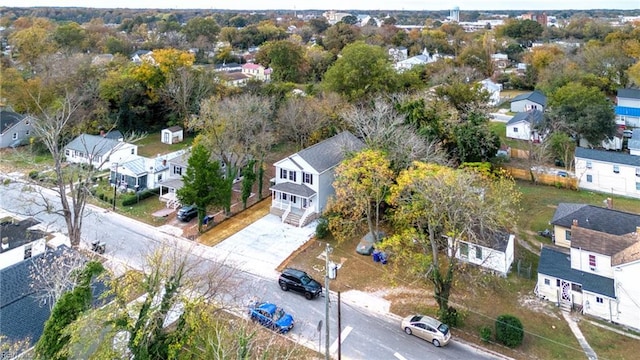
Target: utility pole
(327, 356)
(339, 330)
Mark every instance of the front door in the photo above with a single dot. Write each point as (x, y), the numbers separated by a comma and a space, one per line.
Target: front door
(566, 291)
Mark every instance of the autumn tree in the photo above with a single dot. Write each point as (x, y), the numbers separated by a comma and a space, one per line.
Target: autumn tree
(434, 203)
(236, 130)
(362, 70)
(339, 36)
(562, 147)
(248, 179)
(476, 142)
(201, 28)
(299, 118)
(204, 182)
(285, 58)
(34, 41)
(362, 182)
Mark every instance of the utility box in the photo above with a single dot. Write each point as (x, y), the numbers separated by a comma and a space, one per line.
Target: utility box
(332, 271)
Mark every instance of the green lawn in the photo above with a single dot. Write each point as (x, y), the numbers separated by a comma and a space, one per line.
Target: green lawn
(151, 145)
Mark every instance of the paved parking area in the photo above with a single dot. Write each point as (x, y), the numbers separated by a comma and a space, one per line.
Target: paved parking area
(263, 245)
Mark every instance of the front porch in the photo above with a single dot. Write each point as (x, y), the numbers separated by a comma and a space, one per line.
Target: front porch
(168, 192)
(295, 204)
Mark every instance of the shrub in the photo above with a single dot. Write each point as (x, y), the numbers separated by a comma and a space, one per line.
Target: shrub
(131, 199)
(485, 333)
(451, 317)
(101, 196)
(509, 330)
(33, 174)
(322, 229)
(128, 199)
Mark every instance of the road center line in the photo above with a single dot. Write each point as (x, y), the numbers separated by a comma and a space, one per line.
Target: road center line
(343, 335)
(400, 357)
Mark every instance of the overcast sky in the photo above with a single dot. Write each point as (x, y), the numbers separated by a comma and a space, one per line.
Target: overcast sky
(336, 4)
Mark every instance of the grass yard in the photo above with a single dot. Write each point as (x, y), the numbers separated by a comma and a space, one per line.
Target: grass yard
(151, 145)
(142, 211)
(23, 159)
(609, 345)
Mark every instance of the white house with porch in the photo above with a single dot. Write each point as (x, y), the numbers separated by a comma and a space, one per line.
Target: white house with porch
(304, 180)
(596, 276)
(99, 151)
(495, 254)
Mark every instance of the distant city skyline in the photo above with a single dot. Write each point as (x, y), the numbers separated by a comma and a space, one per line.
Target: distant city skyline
(373, 5)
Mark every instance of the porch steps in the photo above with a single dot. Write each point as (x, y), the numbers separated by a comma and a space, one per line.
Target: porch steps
(292, 219)
(565, 306)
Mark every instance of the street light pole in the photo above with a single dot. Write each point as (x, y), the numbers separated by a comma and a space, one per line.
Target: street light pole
(115, 186)
(327, 356)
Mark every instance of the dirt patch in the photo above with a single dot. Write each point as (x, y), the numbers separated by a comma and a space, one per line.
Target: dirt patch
(534, 303)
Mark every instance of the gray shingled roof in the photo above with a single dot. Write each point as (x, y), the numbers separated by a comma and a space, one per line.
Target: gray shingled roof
(19, 234)
(92, 144)
(533, 117)
(20, 310)
(608, 156)
(330, 152)
(535, 96)
(8, 119)
(629, 93)
(558, 264)
(295, 189)
(596, 218)
(136, 166)
(634, 142)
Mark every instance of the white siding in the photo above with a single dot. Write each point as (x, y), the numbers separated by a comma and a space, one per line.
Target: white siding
(604, 309)
(628, 294)
(520, 130)
(491, 259)
(580, 261)
(525, 105)
(604, 179)
(627, 102)
(550, 291)
(16, 255)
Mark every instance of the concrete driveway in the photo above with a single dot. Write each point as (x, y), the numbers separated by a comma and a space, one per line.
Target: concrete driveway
(262, 246)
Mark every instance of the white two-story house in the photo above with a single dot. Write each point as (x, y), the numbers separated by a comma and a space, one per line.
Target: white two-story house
(99, 151)
(523, 125)
(304, 180)
(628, 108)
(597, 276)
(608, 172)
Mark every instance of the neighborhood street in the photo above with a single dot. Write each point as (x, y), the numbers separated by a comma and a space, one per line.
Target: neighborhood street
(365, 334)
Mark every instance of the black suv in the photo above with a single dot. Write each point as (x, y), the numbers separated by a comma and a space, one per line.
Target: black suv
(298, 280)
(186, 213)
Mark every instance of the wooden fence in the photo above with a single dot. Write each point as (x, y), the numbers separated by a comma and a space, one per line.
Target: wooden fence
(541, 178)
(519, 153)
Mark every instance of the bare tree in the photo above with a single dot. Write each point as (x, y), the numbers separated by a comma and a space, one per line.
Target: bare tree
(298, 119)
(383, 128)
(53, 274)
(185, 89)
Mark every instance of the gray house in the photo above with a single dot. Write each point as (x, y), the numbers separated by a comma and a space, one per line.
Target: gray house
(529, 101)
(15, 129)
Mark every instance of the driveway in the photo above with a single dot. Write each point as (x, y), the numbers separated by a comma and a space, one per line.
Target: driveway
(262, 246)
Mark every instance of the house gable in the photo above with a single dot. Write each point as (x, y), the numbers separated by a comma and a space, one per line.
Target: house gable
(595, 218)
(330, 152)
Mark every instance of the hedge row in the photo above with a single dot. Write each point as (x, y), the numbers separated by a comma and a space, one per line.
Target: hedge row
(130, 199)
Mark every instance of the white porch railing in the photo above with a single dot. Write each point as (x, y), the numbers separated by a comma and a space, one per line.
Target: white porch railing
(286, 213)
(304, 216)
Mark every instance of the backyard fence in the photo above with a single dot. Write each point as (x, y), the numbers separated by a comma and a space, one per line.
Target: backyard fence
(524, 269)
(519, 153)
(541, 178)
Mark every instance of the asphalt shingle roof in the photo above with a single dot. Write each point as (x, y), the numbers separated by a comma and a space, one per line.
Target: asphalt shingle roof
(330, 152)
(596, 218)
(19, 234)
(92, 144)
(629, 93)
(295, 189)
(535, 96)
(8, 119)
(597, 242)
(533, 117)
(613, 157)
(558, 264)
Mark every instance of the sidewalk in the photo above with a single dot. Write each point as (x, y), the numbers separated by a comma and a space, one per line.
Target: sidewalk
(573, 325)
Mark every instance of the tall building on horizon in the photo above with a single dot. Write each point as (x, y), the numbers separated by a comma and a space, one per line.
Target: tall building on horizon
(454, 14)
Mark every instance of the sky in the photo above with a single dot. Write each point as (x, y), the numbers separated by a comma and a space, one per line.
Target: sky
(335, 4)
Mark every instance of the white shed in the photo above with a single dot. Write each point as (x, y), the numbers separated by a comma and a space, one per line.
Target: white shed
(172, 135)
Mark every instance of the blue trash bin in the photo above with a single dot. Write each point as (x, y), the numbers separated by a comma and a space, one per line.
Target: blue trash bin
(383, 258)
(376, 255)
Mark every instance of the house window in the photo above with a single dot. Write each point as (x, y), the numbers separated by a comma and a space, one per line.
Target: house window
(638, 186)
(27, 251)
(599, 300)
(292, 175)
(307, 178)
(515, 129)
(567, 235)
(283, 174)
(637, 171)
(67, 152)
(616, 169)
(464, 249)
(26, 122)
(592, 260)
(547, 282)
(576, 287)
(478, 252)
(15, 136)
(558, 282)
(294, 199)
(589, 178)
(132, 151)
(177, 170)
(28, 133)
(284, 196)
(589, 164)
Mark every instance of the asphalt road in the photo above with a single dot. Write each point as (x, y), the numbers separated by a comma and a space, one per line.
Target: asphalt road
(365, 334)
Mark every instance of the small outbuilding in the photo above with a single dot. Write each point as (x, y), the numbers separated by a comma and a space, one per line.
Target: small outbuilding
(172, 135)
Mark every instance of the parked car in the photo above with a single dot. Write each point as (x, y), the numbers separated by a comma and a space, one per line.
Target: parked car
(186, 213)
(299, 281)
(271, 316)
(365, 246)
(427, 328)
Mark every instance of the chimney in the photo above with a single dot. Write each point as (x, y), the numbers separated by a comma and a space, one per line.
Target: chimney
(575, 222)
(609, 203)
